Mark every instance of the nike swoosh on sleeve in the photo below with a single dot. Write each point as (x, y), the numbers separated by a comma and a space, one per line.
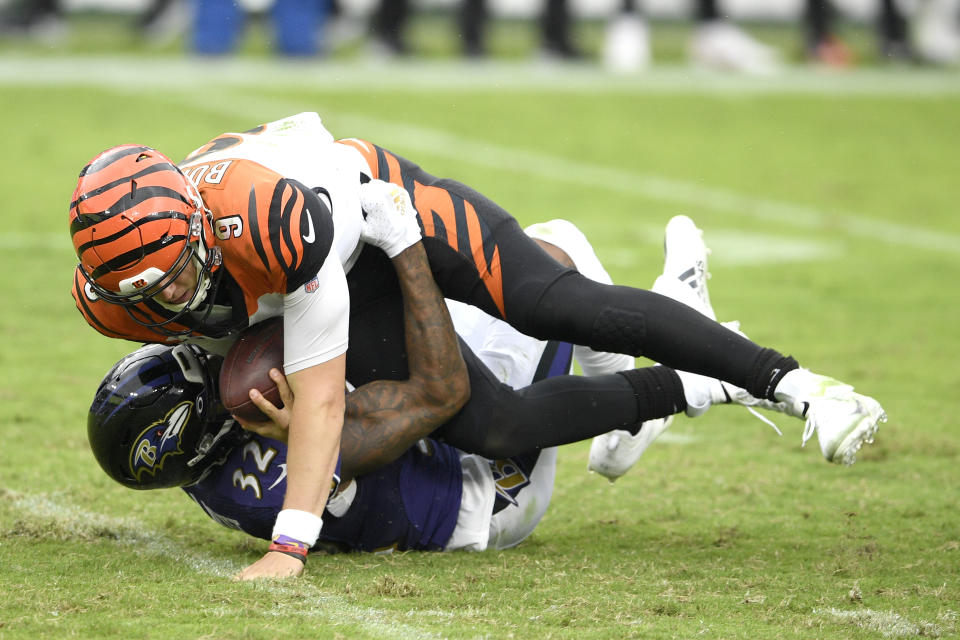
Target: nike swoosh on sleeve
(309, 236)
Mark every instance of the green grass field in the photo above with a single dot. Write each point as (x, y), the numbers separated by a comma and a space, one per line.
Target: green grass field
(830, 204)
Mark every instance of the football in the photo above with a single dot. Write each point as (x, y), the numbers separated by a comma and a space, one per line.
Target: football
(247, 366)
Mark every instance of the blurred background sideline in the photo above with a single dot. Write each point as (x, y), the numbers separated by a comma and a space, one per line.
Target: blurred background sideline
(754, 37)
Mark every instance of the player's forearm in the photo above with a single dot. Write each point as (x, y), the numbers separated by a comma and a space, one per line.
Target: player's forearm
(385, 418)
(313, 446)
(316, 422)
(433, 352)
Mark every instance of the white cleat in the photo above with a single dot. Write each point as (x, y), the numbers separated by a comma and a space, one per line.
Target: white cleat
(843, 420)
(685, 272)
(684, 279)
(613, 453)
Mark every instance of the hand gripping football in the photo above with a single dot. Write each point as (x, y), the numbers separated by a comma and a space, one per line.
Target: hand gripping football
(247, 366)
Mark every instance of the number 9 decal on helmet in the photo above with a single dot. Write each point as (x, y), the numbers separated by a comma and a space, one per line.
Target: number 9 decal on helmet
(137, 225)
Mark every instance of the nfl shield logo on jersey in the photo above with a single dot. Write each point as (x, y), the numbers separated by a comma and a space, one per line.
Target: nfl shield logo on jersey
(312, 286)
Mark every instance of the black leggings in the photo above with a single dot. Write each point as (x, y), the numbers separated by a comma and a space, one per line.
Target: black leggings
(480, 255)
(499, 422)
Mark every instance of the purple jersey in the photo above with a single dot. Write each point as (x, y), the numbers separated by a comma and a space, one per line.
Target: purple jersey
(411, 503)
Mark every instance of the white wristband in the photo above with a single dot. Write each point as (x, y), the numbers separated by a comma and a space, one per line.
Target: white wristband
(299, 525)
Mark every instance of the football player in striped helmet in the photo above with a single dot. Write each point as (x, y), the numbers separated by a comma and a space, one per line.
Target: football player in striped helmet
(155, 422)
(289, 208)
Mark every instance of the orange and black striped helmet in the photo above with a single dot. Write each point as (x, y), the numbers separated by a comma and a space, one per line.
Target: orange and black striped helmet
(136, 221)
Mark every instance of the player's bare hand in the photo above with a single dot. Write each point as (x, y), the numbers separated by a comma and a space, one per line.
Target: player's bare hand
(272, 565)
(278, 425)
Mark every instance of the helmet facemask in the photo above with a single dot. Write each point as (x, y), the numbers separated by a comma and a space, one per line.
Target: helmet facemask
(206, 262)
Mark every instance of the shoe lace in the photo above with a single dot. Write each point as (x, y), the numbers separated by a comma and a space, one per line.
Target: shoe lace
(766, 420)
(743, 398)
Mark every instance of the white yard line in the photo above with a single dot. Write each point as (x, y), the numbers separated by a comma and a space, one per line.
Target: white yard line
(178, 72)
(312, 602)
(691, 197)
(315, 603)
(697, 197)
(889, 623)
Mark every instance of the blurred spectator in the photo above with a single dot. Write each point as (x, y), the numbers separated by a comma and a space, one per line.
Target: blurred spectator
(936, 34)
(39, 19)
(554, 29)
(823, 46)
(821, 43)
(716, 43)
(218, 24)
(389, 22)
(391, 17)
(163, 21)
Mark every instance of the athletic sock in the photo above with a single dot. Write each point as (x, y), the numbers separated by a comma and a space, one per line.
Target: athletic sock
(658, 391)
(766, 372)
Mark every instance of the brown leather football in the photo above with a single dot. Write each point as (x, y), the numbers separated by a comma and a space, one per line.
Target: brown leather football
(247, 366)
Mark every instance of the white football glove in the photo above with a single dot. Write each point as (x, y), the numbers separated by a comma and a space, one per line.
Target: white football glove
(391, 221)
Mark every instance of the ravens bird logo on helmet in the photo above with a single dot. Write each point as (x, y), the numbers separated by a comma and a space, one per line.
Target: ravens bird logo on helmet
(158, 441)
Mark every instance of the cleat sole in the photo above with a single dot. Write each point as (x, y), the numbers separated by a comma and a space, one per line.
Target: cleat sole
(863, 433)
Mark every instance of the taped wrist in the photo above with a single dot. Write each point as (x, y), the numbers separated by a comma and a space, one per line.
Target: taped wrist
(301, 526)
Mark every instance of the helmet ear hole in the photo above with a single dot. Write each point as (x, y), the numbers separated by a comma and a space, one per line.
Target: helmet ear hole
(189, 364)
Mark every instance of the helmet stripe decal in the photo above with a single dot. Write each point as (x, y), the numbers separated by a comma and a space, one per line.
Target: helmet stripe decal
(131, 226)
(101, 162)
(156, 168)
(134, 255)
(125, 203)
(87, 311)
